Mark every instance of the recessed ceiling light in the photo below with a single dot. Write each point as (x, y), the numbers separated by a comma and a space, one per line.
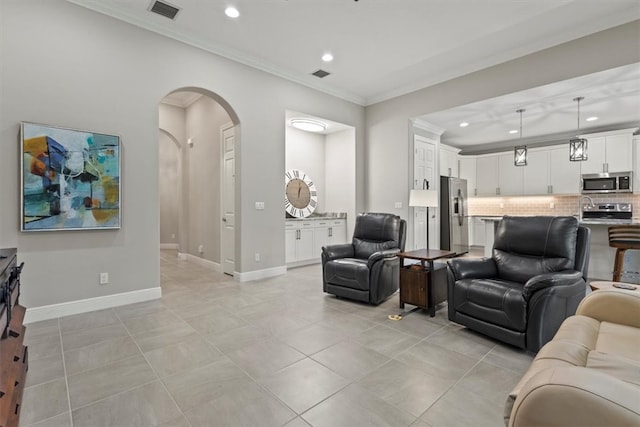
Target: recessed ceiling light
(327, 57)
(464, 124)
(231, 12)
(308, 125)
(592, 119)
(513, 131)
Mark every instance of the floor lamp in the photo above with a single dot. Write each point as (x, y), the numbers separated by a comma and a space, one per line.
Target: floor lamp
(424, 199)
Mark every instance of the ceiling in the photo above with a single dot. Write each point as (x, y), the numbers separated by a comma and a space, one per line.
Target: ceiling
(386, 48)
(381, 48)
(550, 115)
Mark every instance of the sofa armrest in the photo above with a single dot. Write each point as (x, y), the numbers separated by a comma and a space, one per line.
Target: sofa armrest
(377, 256)
(472, 268)
(344, 250)
(575, 396)
(542, 281)
(612, 305)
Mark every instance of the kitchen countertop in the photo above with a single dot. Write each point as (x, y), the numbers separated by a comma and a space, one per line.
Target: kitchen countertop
(586, 222)
(316, 217)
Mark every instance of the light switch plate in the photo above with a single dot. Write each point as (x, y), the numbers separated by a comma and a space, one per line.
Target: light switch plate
(398, 205)
(260, 206)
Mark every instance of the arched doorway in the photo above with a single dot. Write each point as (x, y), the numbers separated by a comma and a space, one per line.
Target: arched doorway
(205, 131)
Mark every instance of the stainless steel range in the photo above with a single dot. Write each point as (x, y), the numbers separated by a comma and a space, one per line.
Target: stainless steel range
(608, 212)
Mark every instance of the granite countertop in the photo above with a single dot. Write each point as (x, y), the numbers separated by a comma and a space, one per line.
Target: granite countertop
(331, 215)
(585, 222)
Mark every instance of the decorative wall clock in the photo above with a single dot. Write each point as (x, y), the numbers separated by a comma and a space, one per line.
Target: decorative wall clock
(300, 195)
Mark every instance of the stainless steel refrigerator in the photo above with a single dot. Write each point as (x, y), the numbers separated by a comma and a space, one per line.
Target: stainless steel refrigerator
(454, 222)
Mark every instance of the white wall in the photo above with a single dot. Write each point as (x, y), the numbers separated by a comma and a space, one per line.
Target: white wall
(169, 155)
(340, 152)
(388, 131)
(203, 120)
(305, 151)
(77, 68)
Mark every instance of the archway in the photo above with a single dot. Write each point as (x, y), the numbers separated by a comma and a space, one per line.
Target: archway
(204, 130)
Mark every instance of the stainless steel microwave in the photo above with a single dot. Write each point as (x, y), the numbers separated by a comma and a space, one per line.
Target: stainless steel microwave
(619, 182)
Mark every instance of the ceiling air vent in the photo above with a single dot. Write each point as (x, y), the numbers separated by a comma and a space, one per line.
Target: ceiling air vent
(320, 73)
(164, 9)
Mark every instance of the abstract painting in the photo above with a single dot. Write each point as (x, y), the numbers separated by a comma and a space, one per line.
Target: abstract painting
(70, 179)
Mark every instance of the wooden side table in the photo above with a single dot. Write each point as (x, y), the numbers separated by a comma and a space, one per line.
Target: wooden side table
(602, 284)
(424, 286)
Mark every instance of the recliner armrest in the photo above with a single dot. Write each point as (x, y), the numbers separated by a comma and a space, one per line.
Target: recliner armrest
(612, 305)
(344, 250)
(472, 268)
(559, 278)
(377, 256)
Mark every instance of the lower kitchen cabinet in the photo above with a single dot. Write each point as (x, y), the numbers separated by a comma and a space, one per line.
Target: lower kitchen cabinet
(304, 239)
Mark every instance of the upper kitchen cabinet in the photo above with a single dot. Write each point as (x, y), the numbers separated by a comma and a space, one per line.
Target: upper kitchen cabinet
(448, 161)
(468, 171)
(511, 177)
(636, 164)
(487, 176)
(564, 175)
(536, 172)
(609, 152)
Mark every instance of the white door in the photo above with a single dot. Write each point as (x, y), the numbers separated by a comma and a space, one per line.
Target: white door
(228, 198)
(424, 168)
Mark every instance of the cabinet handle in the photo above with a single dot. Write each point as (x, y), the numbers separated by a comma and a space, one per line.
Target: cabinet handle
(497, 191)
(605, 167)
(475, 191)
(449, 171)
(330, 231)
(550, 189)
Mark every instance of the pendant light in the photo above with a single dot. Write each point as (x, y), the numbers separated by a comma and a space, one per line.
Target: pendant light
(520, 152)
(577, 145)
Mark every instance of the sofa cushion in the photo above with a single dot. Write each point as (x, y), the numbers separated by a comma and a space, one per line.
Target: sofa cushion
(621, 340)
(499, 302)
(617, 366)
(348, 272)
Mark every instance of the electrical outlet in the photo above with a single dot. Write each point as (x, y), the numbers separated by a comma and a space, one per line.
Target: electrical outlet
(257, 256)
(200, 249)
(260, 206)
(104, 278)
(501, 205)
(552, 205)
(398, 205)
(173, 236)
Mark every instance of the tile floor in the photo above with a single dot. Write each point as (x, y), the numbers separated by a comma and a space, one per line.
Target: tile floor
(274, 352)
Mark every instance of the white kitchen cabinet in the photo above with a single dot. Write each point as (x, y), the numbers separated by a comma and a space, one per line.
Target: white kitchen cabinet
(329, 232)
(609, 152)
(487, 175)
(467, 171)
(448, 161)
(564, 175)
(299, 236)
(636, 164)
(476, 231)
(536, 172)
(511, 177)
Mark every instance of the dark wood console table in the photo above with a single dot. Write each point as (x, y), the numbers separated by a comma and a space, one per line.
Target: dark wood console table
(13, 352)
(423, 285)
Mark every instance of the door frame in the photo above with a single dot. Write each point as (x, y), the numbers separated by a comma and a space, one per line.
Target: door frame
(223, 128)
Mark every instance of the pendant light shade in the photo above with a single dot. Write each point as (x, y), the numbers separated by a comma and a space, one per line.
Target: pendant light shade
(577, 145)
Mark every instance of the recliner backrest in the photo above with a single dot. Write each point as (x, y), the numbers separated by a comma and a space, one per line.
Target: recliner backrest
(376, 232)
(528, 246)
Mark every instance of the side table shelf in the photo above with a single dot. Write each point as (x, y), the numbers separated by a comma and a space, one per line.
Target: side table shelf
(13, 369)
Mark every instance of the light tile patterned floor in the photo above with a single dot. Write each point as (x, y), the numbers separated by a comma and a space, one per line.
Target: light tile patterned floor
(274, 352)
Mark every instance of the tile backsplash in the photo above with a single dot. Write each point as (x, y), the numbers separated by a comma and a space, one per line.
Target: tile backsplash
(543, 205)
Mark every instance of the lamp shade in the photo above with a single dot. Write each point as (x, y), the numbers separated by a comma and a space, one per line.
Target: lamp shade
(423, 198)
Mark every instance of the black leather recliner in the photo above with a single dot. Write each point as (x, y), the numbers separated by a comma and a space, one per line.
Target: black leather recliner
(366, 269)
(535, 279)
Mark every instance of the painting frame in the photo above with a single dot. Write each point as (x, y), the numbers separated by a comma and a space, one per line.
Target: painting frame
(70, 179)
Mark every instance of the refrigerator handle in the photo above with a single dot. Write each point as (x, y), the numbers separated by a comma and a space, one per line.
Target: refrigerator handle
(461, 209)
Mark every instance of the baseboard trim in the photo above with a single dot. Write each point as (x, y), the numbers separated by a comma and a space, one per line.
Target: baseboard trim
(54, 311)
(169, 246)
(259, 274)
(201, 261)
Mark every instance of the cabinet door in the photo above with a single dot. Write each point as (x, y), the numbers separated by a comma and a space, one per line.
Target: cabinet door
(636, 164)
(468, 171)
(536, 173)
(487, 175)
(596, 156)
(564, 175)
(290, 243)
(478, 230)
(305, 248)
(448, 163)
(511, 176)
(619, 153)
(321, 236)
(338, 232)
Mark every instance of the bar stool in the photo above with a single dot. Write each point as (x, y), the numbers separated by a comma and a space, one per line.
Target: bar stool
(622, 237)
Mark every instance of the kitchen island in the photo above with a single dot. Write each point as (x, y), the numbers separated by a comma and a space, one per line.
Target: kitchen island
(601, 254)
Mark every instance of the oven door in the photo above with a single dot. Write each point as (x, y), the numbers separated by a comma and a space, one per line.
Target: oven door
(599, 184)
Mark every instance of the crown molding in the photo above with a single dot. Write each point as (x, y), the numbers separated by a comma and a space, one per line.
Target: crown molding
(429, 127)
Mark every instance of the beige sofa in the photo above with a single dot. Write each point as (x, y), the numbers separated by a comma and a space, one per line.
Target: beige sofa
(589, 374)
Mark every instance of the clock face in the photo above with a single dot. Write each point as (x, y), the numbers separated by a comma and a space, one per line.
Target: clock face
(300, 195)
